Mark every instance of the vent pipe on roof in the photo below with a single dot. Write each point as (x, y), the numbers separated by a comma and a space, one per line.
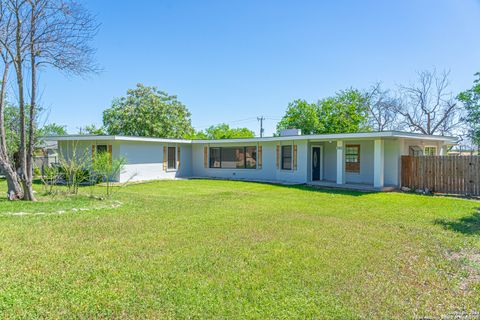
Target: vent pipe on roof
(290, 132)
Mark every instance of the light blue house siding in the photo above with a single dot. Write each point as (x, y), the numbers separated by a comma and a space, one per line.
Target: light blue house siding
(379, 155)
(145, 161)
(393, 155)
(268, 171)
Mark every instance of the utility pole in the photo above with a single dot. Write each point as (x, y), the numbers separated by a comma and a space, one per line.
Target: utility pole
(261, 125)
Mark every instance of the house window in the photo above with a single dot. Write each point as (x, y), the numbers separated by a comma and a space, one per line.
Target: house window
(233, 157)
(430, 151)
(415, 151)
(215, 158)
(102, 148)
(286, 157)
(172, 163)
(352, 158)
(250, 157)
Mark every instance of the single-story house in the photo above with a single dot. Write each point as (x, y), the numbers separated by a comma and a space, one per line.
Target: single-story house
(371, 159)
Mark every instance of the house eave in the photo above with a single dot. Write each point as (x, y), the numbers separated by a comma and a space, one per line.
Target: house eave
(318, 137)
(338, 136)
(113, 138)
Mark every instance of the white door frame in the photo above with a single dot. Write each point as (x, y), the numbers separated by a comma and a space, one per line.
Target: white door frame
(321, 161)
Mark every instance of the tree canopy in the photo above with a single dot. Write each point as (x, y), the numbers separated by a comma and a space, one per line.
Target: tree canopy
(92, 129)
(223, 131)
(52, 129)
(471, 100)
(302, 115)
(345, 112)
(148, 112)
(427, 106)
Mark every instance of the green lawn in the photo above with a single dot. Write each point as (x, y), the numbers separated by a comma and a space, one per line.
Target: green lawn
(219, 249)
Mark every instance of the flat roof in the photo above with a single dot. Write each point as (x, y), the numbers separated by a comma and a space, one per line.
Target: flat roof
(87, 137)
(335, 136)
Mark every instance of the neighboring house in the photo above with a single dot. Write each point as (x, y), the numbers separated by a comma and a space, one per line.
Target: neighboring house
(355, 159)
(46, 154)
(463, 153)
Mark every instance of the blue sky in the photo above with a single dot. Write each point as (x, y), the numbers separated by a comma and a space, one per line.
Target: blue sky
(231, 61)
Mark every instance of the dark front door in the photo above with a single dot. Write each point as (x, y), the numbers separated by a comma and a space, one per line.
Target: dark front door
(315, 163)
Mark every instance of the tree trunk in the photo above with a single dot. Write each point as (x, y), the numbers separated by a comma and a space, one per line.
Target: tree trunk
(27, 180)
(31, 125)
(18, 62)
(15, 191)
(3, 137)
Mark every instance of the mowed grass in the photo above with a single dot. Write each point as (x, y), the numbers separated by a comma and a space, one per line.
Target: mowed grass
(224, 249)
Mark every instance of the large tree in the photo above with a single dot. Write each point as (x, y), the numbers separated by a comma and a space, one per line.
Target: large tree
(427, 105)
(223, 131)
(381, 109)
(34, 33)
(92, 129)
(52, 129)
(302, 115)
(148, 112)
(345, 112)
(471, 100)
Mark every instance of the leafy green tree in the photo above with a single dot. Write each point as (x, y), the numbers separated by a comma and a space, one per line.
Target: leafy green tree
(223, 131)
(52, 129)
(302, 115)
(148, 112)
(471, 100)
(92, 129)
(346, 112)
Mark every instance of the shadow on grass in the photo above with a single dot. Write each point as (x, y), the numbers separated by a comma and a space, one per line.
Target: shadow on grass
(320, 189)
(469, 225)
(303, 187)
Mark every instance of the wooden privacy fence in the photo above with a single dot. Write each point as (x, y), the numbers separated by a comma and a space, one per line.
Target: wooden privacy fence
(442, 174)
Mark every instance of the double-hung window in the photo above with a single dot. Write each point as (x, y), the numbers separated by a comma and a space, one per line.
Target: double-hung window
(233, 157)
(352, 158)
(430, 151)
(171, 158)
(287, 157)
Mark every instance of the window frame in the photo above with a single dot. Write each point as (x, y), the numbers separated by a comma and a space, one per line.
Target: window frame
(282, 157)
(220, 160)
(430, 147)
(101, 145)
(355, 166)
(415, 151)
(174, 168)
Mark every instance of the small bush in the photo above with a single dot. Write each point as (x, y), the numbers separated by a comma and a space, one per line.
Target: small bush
(75, 168)
(50, 178)
(107, 169)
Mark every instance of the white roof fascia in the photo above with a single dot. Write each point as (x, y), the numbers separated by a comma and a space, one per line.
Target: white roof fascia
(336, 136)
(113, 138)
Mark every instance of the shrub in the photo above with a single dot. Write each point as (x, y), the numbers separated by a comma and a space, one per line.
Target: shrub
(50, 177)
(107, 169)
(74, 168)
